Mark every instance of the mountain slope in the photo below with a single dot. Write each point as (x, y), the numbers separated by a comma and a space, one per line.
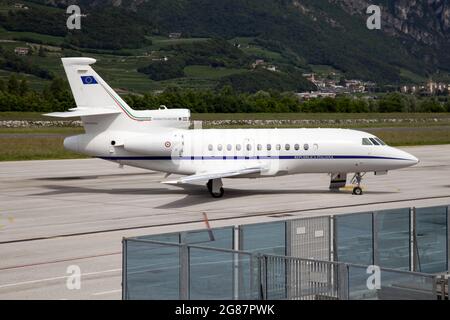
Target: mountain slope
(414, 36)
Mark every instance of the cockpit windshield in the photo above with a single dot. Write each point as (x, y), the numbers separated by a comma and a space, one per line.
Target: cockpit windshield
(373, 142)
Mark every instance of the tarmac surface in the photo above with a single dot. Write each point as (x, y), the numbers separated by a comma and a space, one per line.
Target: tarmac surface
(62, 213)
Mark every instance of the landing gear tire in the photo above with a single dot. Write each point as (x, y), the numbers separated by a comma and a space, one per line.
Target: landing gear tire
(218, 193)
(357, 191)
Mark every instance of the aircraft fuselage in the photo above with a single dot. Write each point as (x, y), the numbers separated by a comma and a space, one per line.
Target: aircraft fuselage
(279, 151)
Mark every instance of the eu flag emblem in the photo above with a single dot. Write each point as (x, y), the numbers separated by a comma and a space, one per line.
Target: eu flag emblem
(88, 80)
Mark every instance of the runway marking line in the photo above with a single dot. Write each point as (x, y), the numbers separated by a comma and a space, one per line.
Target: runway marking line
(106, 292)
(57, 261)
(55, 278)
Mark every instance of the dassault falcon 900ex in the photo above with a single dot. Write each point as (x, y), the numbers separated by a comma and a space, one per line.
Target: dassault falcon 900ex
(161, 140)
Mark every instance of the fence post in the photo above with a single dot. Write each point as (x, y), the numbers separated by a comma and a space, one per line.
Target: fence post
(124, 269)
(335, 239)
(253, 295)
(331, 237)
(262, 266)
(415, 247)
(236, 264)
(411, 239)
(448, 237)
(375, 254)
(343, 282)
(184, 272)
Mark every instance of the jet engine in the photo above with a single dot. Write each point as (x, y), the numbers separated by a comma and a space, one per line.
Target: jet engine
(153, 144)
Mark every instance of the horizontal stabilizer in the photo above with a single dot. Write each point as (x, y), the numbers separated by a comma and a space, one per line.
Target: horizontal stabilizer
(214, 175)
(83, 112)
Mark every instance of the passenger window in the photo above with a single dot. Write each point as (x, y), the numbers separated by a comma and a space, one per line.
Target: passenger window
(238, 147)
(259, 147)
(366, 142)
(375, 142)
(297, 146)
(278, 146)
(219, 147)
(306, 146)
(229, 147)
(210, 147)
(269, 147)
(249, 147)
(287, 147)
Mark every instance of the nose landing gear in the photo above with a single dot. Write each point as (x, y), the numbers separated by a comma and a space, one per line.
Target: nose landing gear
(215, 188)
(357, 191)
(357, 178)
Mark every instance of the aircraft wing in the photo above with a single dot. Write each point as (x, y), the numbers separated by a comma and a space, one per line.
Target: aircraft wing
(82, 112)
(205, 176)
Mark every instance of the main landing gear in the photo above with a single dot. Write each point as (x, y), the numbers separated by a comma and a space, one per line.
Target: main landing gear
(357, 178)
(215, 188)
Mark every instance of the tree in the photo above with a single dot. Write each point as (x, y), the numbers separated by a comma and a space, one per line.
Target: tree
(393, 102)
(164, 70)
(23, 87)
(447, 106)
(13, 85)
(431, 105)
(57, 85)
(42, 52)
(2, 85)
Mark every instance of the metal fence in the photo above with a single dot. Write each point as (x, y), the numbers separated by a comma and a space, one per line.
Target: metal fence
(308, 258)
(173, 271)
(302, 279)
(163, 270)
(415, 239)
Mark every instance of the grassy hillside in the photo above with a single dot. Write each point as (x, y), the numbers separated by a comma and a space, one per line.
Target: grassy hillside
(308, 35)
(121, 71)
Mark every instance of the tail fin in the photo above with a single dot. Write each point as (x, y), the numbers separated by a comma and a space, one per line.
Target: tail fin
(89, 89)
(101, 109)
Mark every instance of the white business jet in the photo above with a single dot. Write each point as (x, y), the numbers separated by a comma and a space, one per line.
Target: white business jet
(161, 140)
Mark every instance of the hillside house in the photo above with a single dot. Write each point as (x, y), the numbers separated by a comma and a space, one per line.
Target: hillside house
(21, 51)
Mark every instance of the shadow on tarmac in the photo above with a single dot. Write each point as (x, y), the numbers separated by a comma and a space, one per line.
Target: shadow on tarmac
(194, 194)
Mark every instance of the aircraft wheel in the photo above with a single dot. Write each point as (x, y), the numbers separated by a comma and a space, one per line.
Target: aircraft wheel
(357, 191)
(209, 186)
(218, 195)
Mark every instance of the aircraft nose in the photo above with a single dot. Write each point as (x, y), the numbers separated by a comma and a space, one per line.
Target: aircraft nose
(416, 160)
(409, 157)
